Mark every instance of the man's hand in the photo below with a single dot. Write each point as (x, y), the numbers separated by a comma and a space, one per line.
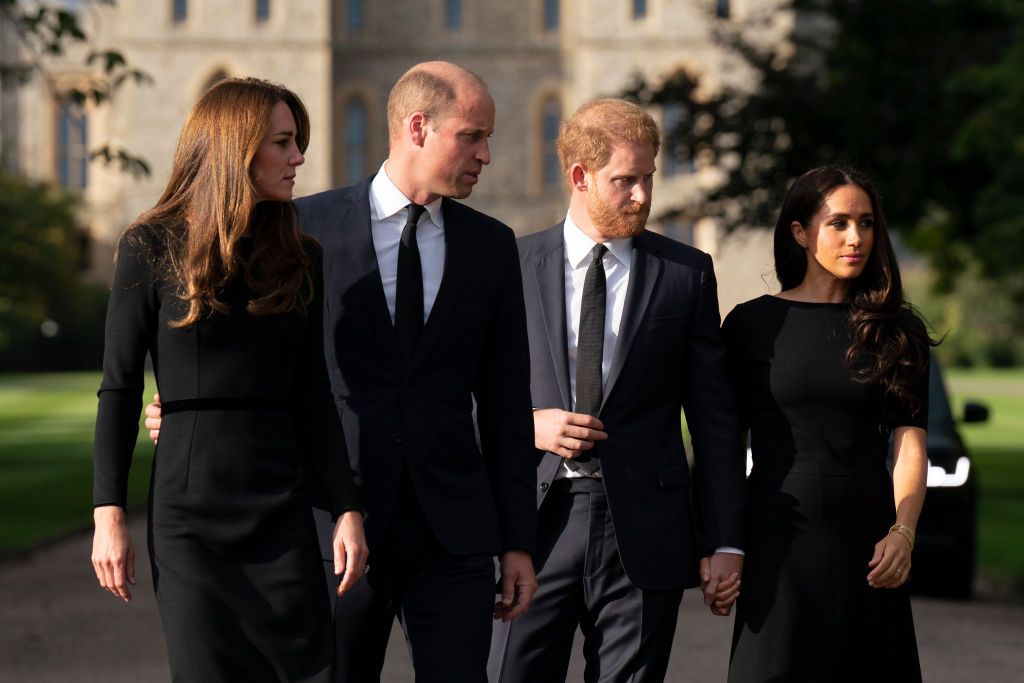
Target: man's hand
(566, 434)
(153, 418)
(720, 581)
(518, 584)
(113, 555)
(350, 551)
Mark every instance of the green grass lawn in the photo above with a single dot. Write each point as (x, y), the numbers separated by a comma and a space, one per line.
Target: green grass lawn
(997, 447)
(46, 426)
(46, 429)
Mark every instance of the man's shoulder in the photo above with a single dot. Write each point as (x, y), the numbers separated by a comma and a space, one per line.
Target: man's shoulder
(327, 198)
(674, 251)
(540, 242)
(482, 224)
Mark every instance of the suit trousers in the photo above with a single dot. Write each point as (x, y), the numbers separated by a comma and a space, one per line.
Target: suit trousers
(444, 603)
(627, 631)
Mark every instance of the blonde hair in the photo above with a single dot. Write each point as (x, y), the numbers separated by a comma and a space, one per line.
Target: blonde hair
(588, 136)
(431, 88)
(210, 203)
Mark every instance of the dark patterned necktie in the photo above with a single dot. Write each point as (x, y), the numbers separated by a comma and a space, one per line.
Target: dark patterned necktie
(409, 289)
(590, 352)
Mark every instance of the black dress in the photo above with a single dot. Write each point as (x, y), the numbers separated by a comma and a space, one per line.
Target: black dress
(247, 407)
(819, 498)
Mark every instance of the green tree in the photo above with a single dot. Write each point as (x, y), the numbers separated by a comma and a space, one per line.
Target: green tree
(925, 98)
(48, 30)
(49, 319)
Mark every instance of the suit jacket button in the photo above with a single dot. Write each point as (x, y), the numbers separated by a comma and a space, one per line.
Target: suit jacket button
(544, 486)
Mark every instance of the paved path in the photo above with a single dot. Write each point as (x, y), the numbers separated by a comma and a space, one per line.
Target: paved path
(56, 626)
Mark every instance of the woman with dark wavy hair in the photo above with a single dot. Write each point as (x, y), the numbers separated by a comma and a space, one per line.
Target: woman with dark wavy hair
(827, 371)
(217, 284)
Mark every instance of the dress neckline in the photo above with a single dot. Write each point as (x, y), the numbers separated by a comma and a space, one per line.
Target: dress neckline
(809, 304)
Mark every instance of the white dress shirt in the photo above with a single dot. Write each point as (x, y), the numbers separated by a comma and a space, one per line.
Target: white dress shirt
(388, 214)
(578, 257)
(617, 261)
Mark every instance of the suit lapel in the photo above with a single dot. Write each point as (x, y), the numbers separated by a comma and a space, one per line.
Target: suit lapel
(550, 274)
(645, 270)
(358, 239)
(457, 237)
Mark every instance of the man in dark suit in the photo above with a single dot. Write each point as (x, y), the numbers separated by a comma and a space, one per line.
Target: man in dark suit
(425, 317)
(624, 332)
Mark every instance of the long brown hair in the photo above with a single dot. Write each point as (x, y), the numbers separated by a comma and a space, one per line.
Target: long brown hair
(890, 343)
(210, 203)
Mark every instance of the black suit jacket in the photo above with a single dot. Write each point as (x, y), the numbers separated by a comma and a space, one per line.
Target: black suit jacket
(668, 357)
(477, 498)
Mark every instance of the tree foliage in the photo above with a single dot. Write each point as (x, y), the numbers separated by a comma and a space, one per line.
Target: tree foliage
(49, 319)
(47, 31)
(925, 98)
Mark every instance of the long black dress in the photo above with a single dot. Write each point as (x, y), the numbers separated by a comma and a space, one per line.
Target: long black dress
(819, 498)
(247, 406)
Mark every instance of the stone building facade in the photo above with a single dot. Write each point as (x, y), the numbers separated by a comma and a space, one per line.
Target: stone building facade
(541, 59)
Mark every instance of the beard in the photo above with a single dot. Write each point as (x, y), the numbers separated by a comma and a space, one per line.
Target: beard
(615, 222)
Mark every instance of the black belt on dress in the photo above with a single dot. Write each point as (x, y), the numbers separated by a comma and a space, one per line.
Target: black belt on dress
(223, 403)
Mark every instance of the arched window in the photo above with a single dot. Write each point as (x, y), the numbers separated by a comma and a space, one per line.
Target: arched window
(639, 9)
(72, 147)
(215, 78)
(453, 14)
(550, 118)
(262, 10)
(355, 15)
(551, 14)
(722, 9)
(179, 10)
(356, 140)
(671, 164)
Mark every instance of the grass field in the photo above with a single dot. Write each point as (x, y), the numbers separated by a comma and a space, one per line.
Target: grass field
(997, 447)
(46, 425)
(46, 428)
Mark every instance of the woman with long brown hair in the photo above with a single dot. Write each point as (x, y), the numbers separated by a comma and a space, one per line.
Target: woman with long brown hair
(827, 370)
(217, 284)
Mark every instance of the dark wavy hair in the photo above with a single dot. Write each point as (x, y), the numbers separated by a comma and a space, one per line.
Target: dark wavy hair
(890, 346)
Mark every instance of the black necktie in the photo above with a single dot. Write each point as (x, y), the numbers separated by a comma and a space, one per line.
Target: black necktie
(590, 351)
(409, 290)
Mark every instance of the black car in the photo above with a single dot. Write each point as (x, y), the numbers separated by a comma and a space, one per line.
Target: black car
(943, 562)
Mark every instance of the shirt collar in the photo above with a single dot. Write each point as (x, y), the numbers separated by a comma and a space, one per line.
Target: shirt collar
(386, 199)
(578, 245)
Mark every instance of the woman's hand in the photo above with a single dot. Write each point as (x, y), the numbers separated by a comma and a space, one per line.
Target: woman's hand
(890, 565)
(113, 556)
(350, 551)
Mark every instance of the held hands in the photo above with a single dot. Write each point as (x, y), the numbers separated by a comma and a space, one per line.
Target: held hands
(518, 584)
(113, 556)
(350, 550)
(720, 581)
(563, 433)
(153, 418)
(890, 565)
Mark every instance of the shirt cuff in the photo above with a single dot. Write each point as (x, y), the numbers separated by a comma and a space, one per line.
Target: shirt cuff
(729, 549)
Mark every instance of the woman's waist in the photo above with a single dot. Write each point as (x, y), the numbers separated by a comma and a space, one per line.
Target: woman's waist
(226, 403)
(821, 463)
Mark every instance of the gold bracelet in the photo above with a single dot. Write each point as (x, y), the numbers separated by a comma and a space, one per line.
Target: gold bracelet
(904, 531)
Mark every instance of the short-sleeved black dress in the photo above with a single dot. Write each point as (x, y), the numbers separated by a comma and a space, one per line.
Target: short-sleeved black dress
(249, 423)
(819, 498)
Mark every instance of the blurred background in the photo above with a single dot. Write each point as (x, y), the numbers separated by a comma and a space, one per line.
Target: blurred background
(927, 98)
